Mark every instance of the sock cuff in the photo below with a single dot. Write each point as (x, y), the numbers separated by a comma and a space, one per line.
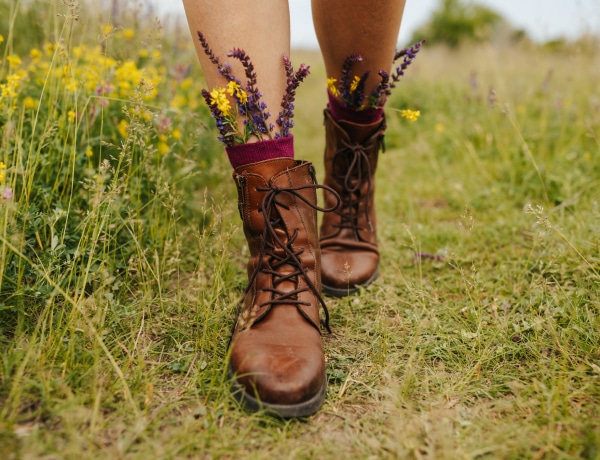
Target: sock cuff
(253, 152)
(340, 112)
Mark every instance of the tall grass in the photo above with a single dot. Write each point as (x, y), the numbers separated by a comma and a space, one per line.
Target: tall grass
(121, 258)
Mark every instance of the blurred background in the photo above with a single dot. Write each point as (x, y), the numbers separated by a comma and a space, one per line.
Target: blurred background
(542, 22)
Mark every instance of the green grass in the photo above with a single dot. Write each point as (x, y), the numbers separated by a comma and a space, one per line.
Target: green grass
(121, 270)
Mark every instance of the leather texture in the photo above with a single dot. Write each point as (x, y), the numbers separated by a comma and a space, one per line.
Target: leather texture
(276, 355)
(349, 251)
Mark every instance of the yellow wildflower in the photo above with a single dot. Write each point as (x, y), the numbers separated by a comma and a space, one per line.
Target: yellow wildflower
(163, 148)
(218, 98)
(178, 101)
(71, 116)
(176, 134)
(156, 55)
(9, 89)
(144, 53)
(186, 83)
(332, 88)
(13, 61)
(1, 38)
(128, 34)
(106, 29)
(355, 83)
(49, 49)
(35, 54)
(29, 103)
(122, 127)
(234, 88)
(89, 152)
(410, 115)
(78, 51)
(2, 172)
(71, 85)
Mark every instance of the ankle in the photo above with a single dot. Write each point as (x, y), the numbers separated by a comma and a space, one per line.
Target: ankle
(341, 112)
(254, 152)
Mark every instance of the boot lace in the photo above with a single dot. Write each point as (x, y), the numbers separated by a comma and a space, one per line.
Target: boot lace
(358, 167)
(283, 254)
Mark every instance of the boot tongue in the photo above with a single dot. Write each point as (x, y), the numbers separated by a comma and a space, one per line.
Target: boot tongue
(360, 133)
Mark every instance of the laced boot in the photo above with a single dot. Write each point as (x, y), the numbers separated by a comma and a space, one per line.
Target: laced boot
(349, 254)
(276, 359)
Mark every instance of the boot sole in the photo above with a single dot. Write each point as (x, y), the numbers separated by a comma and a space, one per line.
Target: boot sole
(337, 292)
(253, 404)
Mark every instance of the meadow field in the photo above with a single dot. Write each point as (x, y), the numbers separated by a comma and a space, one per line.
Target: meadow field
(122, 256)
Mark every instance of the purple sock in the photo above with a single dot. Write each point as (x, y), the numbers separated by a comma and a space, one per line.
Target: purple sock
(253, 152)
(340, 112)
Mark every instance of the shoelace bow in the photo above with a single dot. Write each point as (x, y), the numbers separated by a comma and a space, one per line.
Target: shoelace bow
(270, 241)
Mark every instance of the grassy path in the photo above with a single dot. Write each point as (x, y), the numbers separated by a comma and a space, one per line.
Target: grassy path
(481, 339)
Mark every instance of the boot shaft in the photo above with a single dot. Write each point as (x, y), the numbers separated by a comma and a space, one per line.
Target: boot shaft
(351, 157)
(277, 203)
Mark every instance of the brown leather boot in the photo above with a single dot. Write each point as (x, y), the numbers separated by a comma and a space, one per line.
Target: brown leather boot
(276, 359)
(349, 254)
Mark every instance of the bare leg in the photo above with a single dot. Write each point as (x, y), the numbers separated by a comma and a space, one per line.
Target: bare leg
(347, 27)
(260, 27)
(276, 358)
(353, 137)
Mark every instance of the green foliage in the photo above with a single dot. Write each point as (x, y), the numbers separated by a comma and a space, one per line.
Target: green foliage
(121, 267)
(89, 157)
(455, 22)
(30, 19)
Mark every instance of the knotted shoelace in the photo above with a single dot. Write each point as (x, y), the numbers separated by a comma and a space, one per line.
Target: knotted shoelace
(286, 255)
(359, 166)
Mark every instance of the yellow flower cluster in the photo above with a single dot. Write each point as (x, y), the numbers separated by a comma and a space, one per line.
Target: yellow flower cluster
(2, 169)
(82, 82)
(81, 72)
(128, 75)
(332, 87)
(219, 98)
(240, 94)
(410, 115)
(9, 89)
(13, 61)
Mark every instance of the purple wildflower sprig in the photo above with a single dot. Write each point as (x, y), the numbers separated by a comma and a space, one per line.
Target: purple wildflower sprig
(247, 100)
(256, 109)
(293, 79)
(223, 69)
(351, 88)
(409, 55)
(346, 79)
(358, 95)
(382, 89)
